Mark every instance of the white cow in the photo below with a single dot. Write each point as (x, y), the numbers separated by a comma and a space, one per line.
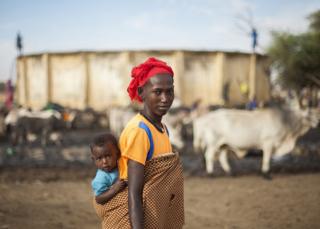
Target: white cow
(272, 130)
(174, 122)
(118, 118)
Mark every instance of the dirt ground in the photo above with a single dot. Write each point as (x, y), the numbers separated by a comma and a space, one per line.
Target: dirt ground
(61, 198)
(50, 188)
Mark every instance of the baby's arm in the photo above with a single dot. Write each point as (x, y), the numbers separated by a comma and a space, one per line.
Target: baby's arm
(111, 192)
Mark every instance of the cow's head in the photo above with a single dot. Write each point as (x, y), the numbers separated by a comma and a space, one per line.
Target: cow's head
(175, 136)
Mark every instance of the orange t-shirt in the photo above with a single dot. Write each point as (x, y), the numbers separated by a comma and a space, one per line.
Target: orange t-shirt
(134, 143)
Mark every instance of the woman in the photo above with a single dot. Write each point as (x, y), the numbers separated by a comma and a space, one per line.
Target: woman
(154, 173)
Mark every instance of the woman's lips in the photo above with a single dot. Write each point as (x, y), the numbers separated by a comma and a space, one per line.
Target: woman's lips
(164, 107)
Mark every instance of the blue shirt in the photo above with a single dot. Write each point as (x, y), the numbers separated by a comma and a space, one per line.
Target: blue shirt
(103, 181)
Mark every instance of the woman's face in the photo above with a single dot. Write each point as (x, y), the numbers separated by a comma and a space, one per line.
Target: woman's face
(158, 94)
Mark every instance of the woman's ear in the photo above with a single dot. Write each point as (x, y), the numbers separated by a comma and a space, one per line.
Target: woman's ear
(140, 92)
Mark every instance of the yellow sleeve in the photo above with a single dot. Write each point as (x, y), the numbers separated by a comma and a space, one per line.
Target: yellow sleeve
(135, 145)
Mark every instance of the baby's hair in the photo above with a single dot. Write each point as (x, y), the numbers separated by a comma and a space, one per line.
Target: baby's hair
(102, 139)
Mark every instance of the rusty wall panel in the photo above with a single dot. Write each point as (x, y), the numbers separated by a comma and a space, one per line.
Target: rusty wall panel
(236, 74)
(37, 82)
(199, 78)
(68, 80)
(263, 87)
(110, 74)
(100, 79)
(20, 88)
(108, 80)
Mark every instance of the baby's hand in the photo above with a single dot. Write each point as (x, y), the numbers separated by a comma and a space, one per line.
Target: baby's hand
(119, 185)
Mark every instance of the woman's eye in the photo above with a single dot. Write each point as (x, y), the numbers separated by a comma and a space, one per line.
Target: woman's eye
(157, 92)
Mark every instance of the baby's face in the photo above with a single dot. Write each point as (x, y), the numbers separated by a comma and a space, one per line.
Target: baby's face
(106, 157)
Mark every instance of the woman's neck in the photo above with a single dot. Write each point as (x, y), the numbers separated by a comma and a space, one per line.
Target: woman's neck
(153, 118)
(157, 124)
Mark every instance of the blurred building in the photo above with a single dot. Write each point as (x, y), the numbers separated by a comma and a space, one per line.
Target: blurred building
(100, 79)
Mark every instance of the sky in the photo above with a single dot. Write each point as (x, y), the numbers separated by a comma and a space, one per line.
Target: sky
(102, 25)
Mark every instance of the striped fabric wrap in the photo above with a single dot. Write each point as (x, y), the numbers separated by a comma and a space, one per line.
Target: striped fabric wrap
(163, 200)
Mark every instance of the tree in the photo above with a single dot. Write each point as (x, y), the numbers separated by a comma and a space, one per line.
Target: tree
(296, 57)
(315, 21)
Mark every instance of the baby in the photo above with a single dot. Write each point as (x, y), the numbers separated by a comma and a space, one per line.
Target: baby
(105, 153)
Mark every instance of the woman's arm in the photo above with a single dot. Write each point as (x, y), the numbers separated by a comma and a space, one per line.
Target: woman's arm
(135, 185)
(111, 192)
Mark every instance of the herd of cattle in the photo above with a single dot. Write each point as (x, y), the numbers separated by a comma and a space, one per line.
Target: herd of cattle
(22, 126)
(216, 132)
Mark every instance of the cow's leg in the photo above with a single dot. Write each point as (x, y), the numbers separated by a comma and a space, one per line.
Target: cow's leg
(22, 136)
(267, 152)
(56, 137)
(43, 141)
(209, 156)
(223, 159)
(44, 136)
(13, 135)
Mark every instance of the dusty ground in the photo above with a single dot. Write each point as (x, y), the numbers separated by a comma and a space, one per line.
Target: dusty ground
(50, 188)
(61, 198)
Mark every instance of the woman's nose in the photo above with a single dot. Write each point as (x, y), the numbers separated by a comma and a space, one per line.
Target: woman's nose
(164, 97)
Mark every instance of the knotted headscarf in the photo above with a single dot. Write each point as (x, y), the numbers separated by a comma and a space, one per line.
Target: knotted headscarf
(141, 73)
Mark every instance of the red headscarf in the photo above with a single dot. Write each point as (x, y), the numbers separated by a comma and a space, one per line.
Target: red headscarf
(141, 73)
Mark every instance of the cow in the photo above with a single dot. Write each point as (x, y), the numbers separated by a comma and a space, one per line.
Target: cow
(120, 116)
(82, 119)
(272, 130)
(22, 122)
(176, 121)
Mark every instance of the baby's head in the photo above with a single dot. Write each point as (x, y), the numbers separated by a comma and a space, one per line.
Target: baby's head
(105, 152)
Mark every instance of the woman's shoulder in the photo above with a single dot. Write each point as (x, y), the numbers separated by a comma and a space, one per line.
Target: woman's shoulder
(133, 125)
(134, 122)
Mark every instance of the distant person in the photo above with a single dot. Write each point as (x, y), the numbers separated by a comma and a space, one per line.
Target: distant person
(254, 36)
(9, 95)
(19, 45)
(105, 154)
(225, 93)
(244, 89)
(252, 104)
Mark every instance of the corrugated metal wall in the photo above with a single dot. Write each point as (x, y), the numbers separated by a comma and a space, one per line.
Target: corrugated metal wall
(100, 79)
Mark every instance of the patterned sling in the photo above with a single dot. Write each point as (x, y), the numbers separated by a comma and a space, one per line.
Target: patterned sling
(163, 201)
